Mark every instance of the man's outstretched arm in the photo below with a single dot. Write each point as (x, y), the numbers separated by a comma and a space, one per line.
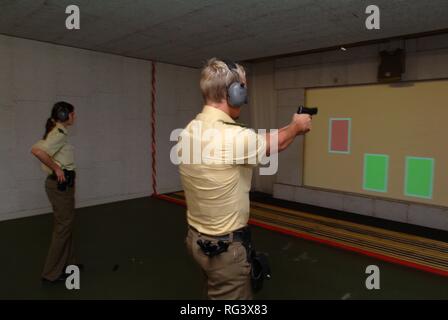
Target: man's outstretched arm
(300, 124)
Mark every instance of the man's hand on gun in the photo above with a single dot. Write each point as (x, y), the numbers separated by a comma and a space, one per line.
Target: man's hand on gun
(302, 119)
(305, 110)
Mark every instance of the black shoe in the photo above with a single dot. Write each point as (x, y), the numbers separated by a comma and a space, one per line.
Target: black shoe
(61, 278)
(44, 280)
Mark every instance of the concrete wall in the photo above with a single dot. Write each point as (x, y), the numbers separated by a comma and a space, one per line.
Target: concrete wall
(262, 115)
(178, 101)
(112, 96)
(427, 58)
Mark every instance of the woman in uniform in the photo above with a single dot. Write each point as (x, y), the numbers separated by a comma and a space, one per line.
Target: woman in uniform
(57, 158)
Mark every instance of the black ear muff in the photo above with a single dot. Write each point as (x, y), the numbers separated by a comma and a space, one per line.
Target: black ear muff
(61, 111)
(62, 115)
(237, 94)
(236, 91)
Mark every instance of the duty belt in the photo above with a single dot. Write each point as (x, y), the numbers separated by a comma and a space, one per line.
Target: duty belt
(216, 245)
(70, 177)
(240, 235)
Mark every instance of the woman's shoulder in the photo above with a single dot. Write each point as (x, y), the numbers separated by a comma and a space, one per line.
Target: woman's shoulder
(58, 130)
(57, 133)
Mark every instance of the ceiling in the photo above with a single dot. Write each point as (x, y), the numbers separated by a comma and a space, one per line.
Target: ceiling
(187, 32)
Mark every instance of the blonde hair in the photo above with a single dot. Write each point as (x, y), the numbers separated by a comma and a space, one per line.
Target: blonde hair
(216, 77)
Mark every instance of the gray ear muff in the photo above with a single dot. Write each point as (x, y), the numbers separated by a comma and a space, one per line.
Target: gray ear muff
(237, 94)
(62, 115)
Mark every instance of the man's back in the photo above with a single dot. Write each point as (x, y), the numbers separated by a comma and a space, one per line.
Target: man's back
(217, 192)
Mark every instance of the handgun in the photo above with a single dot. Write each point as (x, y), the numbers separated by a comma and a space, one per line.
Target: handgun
(305, 110)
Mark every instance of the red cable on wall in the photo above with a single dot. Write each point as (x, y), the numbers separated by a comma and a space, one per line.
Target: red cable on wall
(153, 127)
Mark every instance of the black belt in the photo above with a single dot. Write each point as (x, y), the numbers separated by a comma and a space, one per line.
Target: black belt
(70, 176)
(240, 235)
(260, 269)
(67, 173)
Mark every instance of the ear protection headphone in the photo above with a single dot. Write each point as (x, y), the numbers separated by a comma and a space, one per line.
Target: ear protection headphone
(61, 112)
(236, 91)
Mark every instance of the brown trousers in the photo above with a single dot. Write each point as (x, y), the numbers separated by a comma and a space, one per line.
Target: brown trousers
(227, 274)
(61, 252)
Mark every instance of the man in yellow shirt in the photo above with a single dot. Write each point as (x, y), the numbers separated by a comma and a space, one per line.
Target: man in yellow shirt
(217, 180)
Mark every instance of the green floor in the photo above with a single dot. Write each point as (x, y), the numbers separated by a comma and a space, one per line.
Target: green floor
(135, 250)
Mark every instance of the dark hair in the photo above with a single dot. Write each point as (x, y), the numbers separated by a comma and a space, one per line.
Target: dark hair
(58, 109)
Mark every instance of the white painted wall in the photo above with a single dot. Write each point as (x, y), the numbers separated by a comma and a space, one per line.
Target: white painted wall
(112, 96)
(427, 58)
(178, 101)
(112, 136)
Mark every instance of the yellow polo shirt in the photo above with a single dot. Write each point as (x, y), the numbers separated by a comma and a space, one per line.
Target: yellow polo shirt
(217, 193)
(57, 147)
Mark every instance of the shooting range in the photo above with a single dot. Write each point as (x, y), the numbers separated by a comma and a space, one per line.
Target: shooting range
(367, 186)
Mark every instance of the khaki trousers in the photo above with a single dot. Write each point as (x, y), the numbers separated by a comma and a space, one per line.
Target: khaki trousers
(227, 274)
(61, 252)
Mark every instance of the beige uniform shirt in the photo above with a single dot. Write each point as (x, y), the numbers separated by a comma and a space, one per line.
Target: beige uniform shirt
(57, 147)
(217, 194)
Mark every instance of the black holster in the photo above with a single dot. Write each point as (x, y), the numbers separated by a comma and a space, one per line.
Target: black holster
(260, 269)
(211, 249)
(70, 177)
